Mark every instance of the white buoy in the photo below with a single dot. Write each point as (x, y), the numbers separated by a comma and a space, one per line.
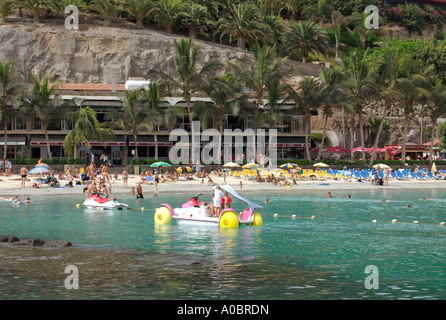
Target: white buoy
(293, 216)
(394, 221)
(142, 209)
(313, 217)
(416, 222)
(442, 223)
(374, 221)
(276, 215)
(78, 205)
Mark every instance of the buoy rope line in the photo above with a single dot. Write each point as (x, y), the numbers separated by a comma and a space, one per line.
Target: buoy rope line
(275, 215)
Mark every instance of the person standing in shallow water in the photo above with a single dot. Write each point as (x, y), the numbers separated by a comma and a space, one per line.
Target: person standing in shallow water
(156, 180)
(139, 191)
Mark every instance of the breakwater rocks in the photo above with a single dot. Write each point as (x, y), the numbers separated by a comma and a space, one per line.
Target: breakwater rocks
(36, 242)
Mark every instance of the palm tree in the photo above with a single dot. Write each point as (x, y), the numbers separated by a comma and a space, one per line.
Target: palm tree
(106, 8)
(7, 91)
(223, 98)
(48, 105)
(412, 91)
(395, 67)
(307, 97)
(60, 5)
(337, 21)
(277, 27)
(436, 105)
(6, 8)
(266, 69)
(189, 78)
(276, 94)
(154, 97)
(25, 110)
(195, 17)
(132, 116)
(243, 23)
(167, 13)
(332, 95)
(139, 10)
(294, 7)
(374, 125)
(35, 7)
(305, 37)
(85, 127)
(361, 85)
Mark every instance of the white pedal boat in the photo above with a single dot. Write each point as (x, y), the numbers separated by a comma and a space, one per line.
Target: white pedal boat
(199, 215)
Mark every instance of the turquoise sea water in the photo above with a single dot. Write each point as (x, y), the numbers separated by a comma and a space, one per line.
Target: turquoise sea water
(123, 254)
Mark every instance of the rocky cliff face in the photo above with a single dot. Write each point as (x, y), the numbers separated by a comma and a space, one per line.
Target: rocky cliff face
(95, 54)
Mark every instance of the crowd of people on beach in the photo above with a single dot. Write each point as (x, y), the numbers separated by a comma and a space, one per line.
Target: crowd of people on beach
(100, 180)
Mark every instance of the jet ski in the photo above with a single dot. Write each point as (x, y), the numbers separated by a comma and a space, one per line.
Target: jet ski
(96, 202)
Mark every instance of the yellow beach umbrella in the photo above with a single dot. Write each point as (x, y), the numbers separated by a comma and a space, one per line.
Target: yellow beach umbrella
(179, 169)
(250, 165)
(231, 165)
(188, 169)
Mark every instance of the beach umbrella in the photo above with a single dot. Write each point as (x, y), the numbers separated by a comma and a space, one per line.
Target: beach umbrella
(250, 165)
(330, 150)
(159, 164)
(340, 149)
(381, 150)
(320, 164)
(393, 151)
(188, 169)
(179, 169)
(39, 170)
(288, 166)
(231, 165)
(41, 165)
(357, 149)
(381, 166)
(270, 165)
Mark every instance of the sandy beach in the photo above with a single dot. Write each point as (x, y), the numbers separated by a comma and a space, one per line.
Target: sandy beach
(10, 186)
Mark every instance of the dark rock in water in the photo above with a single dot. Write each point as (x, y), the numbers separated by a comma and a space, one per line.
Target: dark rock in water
(57, 244)
(36, 242)
(10, 239)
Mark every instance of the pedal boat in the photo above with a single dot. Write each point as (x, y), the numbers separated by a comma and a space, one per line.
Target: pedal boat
(197, 214)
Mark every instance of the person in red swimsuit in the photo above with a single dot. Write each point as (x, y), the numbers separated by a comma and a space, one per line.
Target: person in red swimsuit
(226, 201)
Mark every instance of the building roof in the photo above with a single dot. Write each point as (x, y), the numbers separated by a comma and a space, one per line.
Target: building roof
(91, 87)
(436, 142)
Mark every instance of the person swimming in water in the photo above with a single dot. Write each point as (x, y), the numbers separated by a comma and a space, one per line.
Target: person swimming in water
(9, 199)
(28, 200)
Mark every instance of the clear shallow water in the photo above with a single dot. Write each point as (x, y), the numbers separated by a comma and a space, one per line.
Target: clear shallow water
(123, 254)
